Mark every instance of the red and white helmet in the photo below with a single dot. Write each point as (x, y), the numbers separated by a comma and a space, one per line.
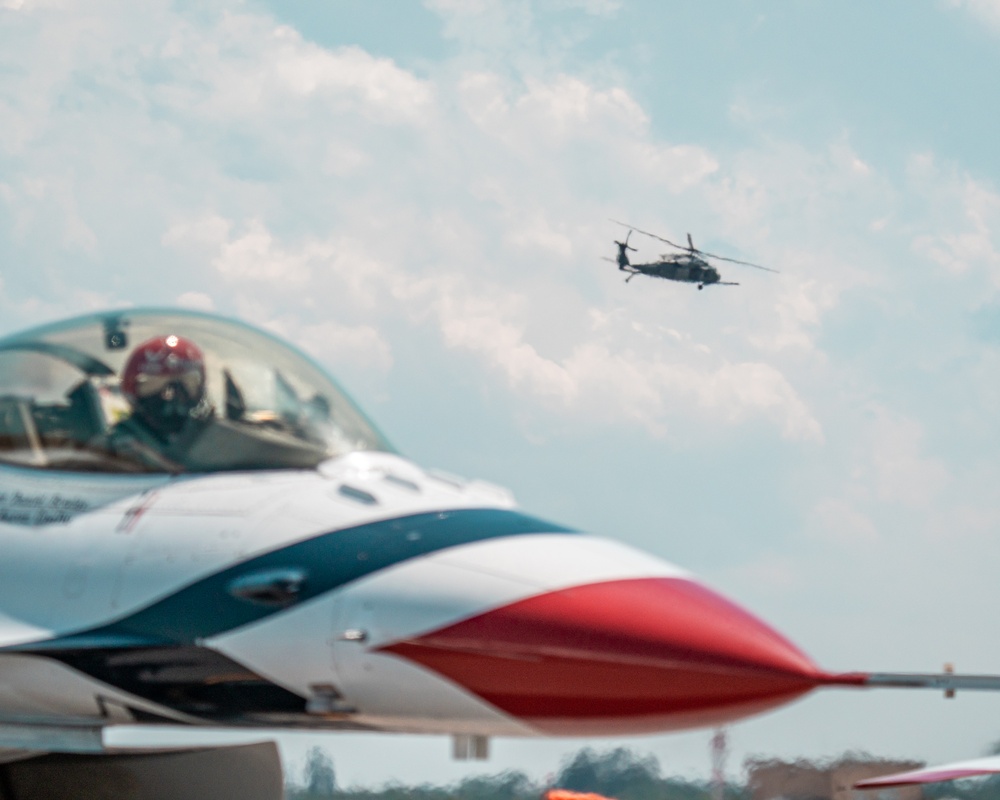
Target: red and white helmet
(161, 362)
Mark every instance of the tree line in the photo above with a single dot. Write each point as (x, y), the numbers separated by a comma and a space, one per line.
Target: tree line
(621, 774)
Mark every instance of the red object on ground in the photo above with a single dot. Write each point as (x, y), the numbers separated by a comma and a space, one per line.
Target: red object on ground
(566, 794)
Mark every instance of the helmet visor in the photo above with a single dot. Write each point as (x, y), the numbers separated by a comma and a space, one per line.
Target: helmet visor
(149, 385)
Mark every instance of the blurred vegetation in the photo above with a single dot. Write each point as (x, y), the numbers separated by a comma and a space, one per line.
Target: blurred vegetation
(620, 774)
(625, 775)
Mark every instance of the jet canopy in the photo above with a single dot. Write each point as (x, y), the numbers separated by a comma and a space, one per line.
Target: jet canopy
(169, 391)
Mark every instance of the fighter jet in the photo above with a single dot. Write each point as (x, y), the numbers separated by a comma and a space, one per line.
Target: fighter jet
(199, 528)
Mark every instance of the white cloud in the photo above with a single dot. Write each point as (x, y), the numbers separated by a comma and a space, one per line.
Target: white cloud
(773, 574)
(601, 378)
(209, 231)
(255, 255)
(569, 106)
(845, 157)
(344, 158)
(889, 473)
(490, 26)
(902, 473)
(538, 236)
(48, 206)
(28, 5)
(307, 68)
(477, 323)
(551, 114)
(199, 301)
(678, 167)
(546, 113)
(962, 234)
(600, 8)
(987, 11)
(837, 522)
(799, 311)
(246, 66)
(337, 345)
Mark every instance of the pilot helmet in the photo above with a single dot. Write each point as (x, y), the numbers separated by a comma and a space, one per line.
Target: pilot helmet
(164, 381)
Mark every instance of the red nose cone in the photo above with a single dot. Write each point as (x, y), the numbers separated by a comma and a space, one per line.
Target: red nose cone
(627, 656)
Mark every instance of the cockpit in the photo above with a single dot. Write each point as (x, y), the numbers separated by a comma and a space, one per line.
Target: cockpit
(169, 391)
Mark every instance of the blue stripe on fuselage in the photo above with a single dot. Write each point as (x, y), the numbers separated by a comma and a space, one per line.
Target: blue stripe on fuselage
(207, 607)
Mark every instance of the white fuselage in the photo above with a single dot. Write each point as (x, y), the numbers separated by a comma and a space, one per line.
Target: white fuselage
(126, 599)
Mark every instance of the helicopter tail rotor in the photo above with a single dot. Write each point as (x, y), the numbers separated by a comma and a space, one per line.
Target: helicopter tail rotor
(625, 244)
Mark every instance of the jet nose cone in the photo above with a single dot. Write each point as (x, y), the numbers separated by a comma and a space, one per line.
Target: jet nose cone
(626, 656)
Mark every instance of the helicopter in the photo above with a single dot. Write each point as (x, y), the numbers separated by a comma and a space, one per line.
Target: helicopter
(689, 266)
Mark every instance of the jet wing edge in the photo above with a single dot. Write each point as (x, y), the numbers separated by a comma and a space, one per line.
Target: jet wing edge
(936, 774)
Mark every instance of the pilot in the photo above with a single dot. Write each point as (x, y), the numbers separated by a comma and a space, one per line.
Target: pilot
(164, 384)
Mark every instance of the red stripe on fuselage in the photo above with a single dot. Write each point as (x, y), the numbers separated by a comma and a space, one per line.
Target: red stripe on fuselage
(617, 657)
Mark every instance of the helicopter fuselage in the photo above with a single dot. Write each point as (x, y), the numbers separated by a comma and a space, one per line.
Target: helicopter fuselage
(684, 268)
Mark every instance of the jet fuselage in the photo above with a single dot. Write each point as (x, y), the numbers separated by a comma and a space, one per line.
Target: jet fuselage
(367, 593)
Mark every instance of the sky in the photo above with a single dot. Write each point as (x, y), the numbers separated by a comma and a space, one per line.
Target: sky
(419, 194)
